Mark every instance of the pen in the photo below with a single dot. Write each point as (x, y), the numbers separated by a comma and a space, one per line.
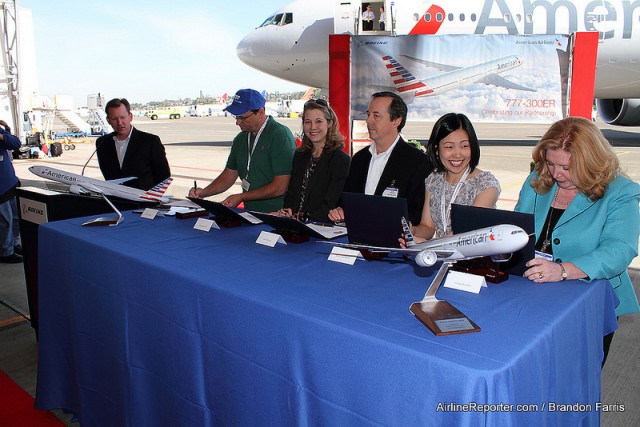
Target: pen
(322, 224)
(195, 185)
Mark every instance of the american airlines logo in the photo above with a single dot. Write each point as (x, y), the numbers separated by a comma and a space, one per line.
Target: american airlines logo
(595, 16)
(475, 239)
(58, 175)
(509, 64)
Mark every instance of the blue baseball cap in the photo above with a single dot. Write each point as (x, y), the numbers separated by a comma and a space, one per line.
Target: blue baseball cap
(245, 100)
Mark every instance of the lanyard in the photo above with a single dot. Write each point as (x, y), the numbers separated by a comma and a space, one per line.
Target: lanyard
(446, 211)
(255, 144)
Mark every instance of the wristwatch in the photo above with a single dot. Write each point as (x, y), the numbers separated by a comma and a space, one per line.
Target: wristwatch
(564, 272)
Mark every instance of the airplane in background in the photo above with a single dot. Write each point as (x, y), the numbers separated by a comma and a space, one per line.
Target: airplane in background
(79, 184)
(293, 43)
(409, 87)
(287, 107)
(205, 110)
(497, 242)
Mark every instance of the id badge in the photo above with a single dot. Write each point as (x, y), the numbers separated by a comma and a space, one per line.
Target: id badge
(390, 192)
(544, 255)
(245, 185)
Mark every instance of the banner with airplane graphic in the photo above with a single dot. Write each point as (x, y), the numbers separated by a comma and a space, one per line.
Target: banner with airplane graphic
(490, 78)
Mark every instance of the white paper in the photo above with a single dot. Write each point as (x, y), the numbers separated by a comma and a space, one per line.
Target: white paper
(252, 219)
(204, 224)
(328, 231)
(344, 255)
(149, 213)
(465, 282)
(269, 239)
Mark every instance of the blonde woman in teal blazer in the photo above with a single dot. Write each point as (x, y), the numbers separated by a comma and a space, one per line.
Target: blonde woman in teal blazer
(596, 236)
(587, 217)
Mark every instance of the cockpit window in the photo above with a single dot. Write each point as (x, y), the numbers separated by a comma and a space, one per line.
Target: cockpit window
(278, 19)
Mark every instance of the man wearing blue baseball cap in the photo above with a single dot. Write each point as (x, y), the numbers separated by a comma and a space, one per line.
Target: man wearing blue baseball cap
(261, 156)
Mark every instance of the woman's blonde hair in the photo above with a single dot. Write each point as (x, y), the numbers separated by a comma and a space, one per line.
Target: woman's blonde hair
(593, 163)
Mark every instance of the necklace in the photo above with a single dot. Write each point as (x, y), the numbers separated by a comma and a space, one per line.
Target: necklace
(555, 197)
(547, 237)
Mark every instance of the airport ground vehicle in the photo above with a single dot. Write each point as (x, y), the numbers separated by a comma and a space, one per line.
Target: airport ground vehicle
(163, 113)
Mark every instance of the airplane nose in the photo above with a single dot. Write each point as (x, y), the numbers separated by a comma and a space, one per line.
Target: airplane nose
(245, 51)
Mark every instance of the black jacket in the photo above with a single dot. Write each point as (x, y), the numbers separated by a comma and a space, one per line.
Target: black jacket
(406, 170)
(145, 159)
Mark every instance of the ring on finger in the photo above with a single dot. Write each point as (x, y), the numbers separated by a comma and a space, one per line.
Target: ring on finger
(541, 275)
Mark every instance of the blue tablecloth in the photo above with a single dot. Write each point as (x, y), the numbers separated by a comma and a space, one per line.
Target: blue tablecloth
(153, 323)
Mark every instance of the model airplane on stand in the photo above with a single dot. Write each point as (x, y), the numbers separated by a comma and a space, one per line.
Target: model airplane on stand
(79, 184)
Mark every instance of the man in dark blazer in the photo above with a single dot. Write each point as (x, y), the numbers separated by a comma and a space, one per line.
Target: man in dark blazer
(128, 152)
(389, 167)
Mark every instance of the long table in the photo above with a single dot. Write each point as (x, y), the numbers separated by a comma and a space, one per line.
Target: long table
(155, 323)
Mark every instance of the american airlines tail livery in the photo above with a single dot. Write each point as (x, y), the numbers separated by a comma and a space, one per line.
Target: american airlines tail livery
(293, 42)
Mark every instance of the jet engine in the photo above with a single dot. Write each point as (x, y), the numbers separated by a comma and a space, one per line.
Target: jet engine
(76, 189)
(426, 258)
(622, 112)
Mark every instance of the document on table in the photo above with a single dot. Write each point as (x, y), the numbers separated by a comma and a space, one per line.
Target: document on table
(328, 231)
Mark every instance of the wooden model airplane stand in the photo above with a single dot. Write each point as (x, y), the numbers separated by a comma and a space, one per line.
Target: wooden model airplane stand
(484, 266)
(438, 315)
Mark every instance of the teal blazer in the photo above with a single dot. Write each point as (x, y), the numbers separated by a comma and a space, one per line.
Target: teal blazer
(600, 238)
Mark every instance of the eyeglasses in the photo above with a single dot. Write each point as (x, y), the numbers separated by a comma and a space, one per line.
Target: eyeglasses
(321, 102)
(243, 118)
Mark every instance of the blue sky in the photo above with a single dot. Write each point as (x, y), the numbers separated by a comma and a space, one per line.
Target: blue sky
(147, 50)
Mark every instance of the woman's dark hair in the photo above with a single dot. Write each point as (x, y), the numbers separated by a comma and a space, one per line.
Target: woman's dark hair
(446, 125)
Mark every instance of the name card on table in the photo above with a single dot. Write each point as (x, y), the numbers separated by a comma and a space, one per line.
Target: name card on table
(465, 282)
(204, 224)
(344, 255)
(251, 218)
(149, 213)
(270, 239)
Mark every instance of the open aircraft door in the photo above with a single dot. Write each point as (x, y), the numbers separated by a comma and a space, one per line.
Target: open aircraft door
(344, 19)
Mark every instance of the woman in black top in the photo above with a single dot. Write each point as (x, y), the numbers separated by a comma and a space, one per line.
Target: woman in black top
(320, 166)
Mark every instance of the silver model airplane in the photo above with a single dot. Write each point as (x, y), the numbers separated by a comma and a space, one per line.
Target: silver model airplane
(79, 184)
(497, 242)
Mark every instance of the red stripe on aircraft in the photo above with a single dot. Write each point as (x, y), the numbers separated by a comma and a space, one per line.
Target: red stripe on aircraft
(430, 22)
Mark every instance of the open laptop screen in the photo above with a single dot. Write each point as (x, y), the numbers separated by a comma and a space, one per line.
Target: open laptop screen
(374, 220)
(468, 218)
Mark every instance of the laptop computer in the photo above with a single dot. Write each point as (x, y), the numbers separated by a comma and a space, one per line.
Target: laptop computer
(285, 225)
(223, 212)
(468, 218)
(374, 220)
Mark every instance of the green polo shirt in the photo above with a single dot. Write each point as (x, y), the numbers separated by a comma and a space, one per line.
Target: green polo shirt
(272, 156)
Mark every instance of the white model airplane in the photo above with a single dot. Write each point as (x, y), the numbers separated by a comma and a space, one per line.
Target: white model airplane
(409, 87)
(497, 242)
(79, 184)
(293, 42)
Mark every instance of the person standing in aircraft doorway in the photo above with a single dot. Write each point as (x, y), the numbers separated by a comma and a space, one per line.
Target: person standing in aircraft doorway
(383, 18)
(367, 19)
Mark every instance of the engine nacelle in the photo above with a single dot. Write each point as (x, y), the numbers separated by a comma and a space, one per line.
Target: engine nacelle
(426, 258)
(76, 189)
(622, 112)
